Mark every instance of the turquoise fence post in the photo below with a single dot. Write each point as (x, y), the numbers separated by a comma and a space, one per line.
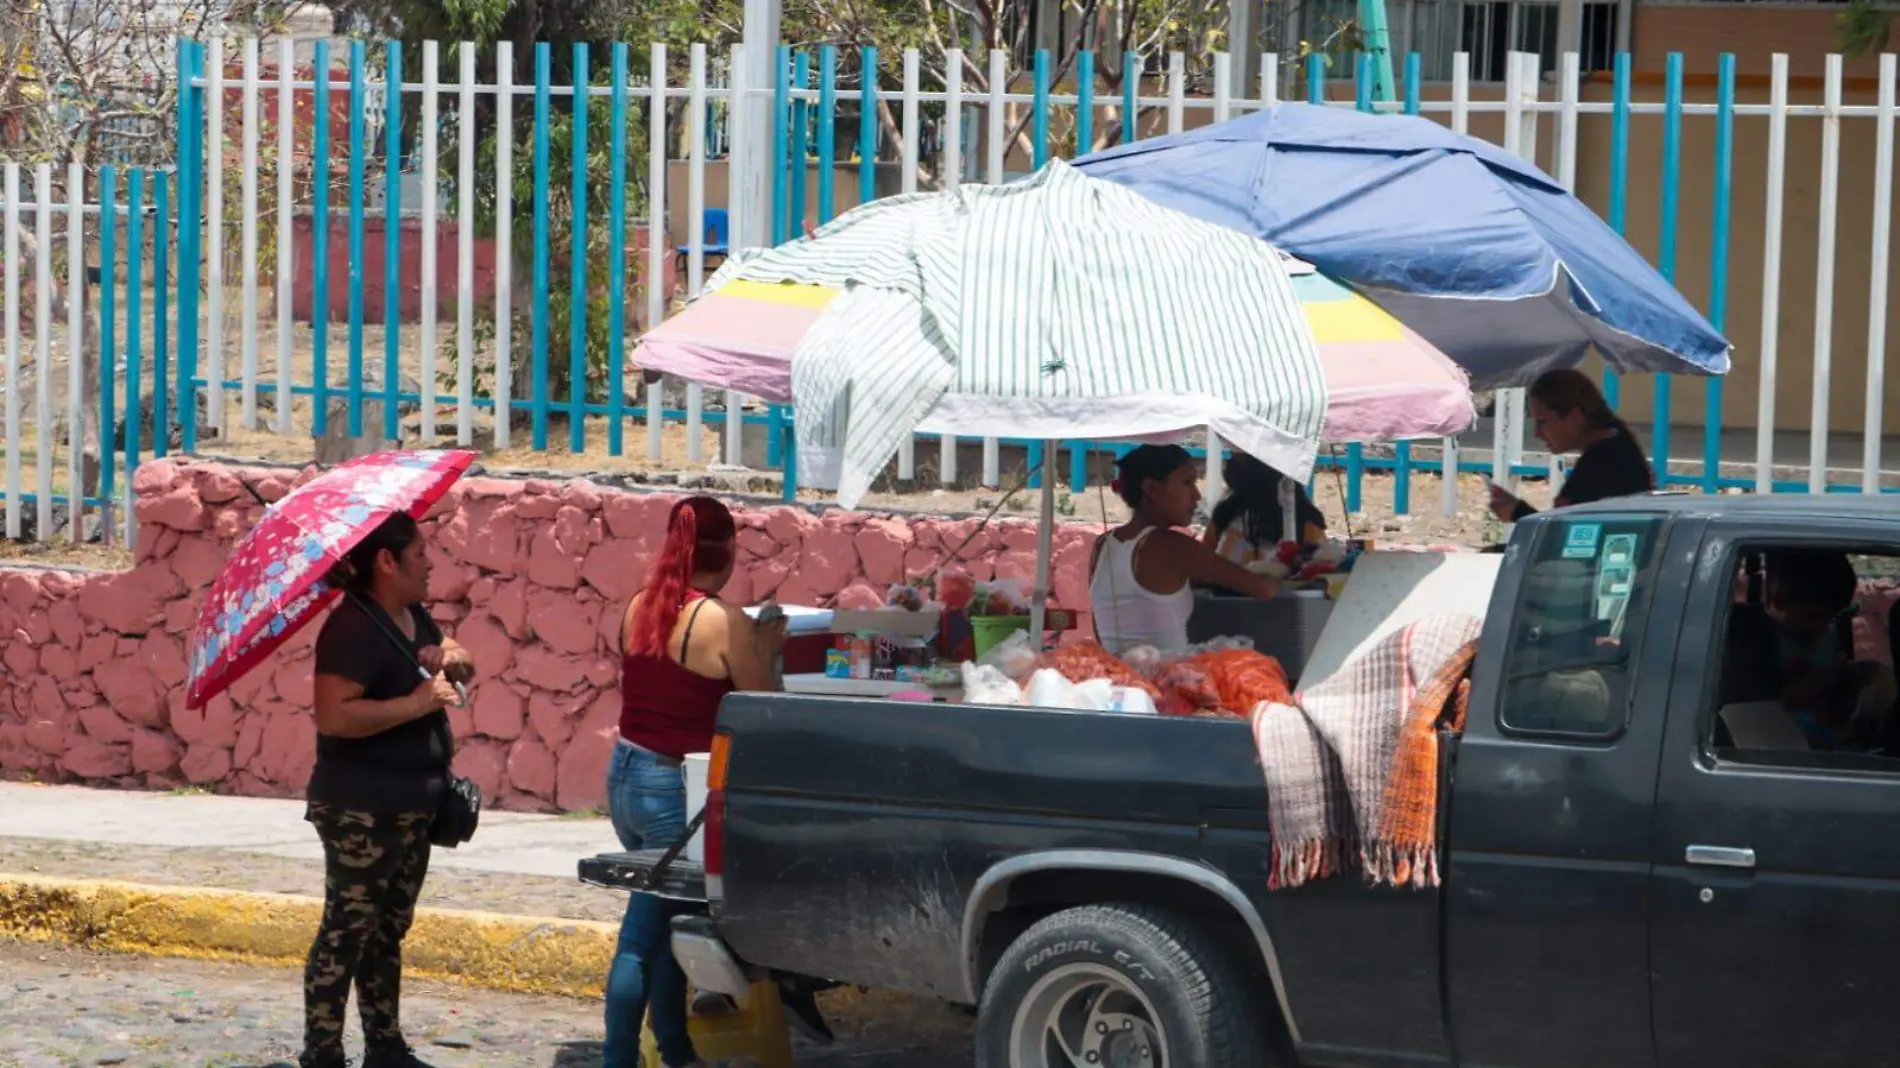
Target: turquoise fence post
(320, 247)
(781, 144)
(1316, 79)
(356, 238)
(867, 126)
(1131, 98)
(578, 305)
(827, 133)
(617, 252)
(1402, 450)
(1079, 451)
(801, 140)
(190, 228)
(134, 314)
(392, 237)
(108, 322)
(542, 59)
(1718, 264)
(1666, 242)
(162, 393)
(1039, 156)
(1619, 185)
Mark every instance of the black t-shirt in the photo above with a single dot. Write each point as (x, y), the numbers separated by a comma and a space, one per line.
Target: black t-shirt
(402, 769)
(1613, 467)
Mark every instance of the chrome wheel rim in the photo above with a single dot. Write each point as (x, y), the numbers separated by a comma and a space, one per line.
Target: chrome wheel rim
(1086, 1016)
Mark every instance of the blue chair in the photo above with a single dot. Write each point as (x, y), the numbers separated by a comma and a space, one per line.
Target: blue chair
(715, 241)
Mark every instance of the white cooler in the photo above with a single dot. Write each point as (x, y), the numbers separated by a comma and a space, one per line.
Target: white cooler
(696, 765)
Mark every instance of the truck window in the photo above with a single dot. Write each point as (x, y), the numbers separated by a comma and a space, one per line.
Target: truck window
(1806, 654)
(1578, 621)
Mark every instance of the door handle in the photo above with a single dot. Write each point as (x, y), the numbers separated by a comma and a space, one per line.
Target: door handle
(1720, 856)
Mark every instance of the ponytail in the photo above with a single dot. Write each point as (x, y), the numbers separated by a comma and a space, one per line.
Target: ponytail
(699, 534)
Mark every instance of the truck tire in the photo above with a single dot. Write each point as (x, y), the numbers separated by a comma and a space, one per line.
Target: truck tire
(1121, 986)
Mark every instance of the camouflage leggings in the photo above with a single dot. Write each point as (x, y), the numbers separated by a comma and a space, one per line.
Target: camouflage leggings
(374, 864)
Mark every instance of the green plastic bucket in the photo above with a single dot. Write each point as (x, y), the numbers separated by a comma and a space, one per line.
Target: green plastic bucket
(992, 631)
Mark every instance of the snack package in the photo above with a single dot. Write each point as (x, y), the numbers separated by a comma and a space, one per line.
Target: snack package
(1186, 689)
(983, 684)
(1086, 659)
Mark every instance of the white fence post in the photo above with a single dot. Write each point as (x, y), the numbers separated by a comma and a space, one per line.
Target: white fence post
(43, 459)
(695, 229)
(1824, 277)
(285, 402)
(907, 174)
(465, 250)
(1877, 277)
(425, 376)
(247, 241)
(11, 186)
(999, 81)
(76, 354)
(1771, 273)
(214, 245)
(952, 177)
(656, 233)
(504, 237)
(738, 221)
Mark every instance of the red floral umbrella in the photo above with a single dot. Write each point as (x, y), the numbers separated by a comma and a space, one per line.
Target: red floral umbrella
(274, 582)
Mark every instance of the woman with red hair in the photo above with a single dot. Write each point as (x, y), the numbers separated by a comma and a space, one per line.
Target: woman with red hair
(684, 651)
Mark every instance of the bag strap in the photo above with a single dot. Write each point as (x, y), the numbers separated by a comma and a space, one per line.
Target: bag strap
(672, 853)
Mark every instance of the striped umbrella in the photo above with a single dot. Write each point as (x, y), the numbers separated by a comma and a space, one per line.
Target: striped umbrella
(1382, 381)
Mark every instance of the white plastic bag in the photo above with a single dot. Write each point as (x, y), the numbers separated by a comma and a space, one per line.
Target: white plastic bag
(1014, 656)
(1048, 689)
(983, 684)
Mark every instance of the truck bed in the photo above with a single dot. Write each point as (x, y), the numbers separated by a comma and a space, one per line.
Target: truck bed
(864, 839)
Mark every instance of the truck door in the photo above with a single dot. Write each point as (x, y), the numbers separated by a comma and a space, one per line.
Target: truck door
(1777, 892)
(1547, 882)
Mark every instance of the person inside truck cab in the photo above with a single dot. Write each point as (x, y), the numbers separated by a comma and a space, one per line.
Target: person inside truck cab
(1796, 648)
(684, 651)
(1568, 414)
(1139, 572)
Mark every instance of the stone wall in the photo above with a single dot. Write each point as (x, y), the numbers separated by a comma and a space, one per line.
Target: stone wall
(530, 576)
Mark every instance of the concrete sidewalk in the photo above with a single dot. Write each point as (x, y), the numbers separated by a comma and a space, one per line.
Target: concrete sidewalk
(508, 842)
(200, 875)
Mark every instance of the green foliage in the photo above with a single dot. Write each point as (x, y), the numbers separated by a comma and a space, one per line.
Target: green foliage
(1862, 28)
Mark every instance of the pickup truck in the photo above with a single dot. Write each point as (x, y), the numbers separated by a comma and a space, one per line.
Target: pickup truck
(1630, 877)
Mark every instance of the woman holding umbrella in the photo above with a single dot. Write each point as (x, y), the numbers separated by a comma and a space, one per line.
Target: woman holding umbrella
(383, 753)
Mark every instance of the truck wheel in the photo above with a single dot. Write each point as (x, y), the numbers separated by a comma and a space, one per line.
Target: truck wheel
(1120, 986)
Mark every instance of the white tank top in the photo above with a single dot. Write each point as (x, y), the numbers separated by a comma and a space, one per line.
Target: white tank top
(1126, 613)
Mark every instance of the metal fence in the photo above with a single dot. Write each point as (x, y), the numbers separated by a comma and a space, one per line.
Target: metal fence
(213, 286)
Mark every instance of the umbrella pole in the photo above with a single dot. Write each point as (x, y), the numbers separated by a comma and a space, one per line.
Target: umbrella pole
(1045, 545)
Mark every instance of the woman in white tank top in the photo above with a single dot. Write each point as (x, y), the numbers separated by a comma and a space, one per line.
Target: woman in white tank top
(1140, 571)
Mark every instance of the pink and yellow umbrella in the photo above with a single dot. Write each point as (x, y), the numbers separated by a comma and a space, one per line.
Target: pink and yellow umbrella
(1384, 382)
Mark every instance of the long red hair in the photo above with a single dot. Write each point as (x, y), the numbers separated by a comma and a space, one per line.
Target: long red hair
(699, 535)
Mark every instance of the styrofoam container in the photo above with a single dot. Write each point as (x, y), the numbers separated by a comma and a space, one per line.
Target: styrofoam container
(697, 766)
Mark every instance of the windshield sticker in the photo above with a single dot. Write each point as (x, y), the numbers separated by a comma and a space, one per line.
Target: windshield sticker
(1580, 541)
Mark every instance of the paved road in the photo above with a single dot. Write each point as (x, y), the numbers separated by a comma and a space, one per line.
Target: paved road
(62, 1008)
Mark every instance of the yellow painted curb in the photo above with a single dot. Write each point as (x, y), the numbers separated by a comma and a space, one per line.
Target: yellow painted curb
(522, 953)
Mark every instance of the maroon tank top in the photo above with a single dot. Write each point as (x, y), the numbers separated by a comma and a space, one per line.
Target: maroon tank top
(666, 707)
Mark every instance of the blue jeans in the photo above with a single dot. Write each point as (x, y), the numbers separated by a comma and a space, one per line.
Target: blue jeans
(647, 799)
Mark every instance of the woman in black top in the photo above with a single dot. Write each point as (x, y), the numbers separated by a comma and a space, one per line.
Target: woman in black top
(383, 753)
(1568, 414)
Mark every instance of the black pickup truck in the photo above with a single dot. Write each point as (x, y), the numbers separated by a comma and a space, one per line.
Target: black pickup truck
(1632, 875)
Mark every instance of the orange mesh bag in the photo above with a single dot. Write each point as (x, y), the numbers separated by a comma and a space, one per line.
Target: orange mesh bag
(1245, 677)
(1086, 659)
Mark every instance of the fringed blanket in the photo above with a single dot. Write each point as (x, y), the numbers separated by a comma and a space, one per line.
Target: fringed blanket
(1352, 768)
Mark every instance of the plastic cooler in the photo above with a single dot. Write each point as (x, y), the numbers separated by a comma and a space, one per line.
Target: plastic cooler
(1285, 628)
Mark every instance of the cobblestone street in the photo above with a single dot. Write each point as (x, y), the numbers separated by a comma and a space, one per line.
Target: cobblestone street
(60, 1008)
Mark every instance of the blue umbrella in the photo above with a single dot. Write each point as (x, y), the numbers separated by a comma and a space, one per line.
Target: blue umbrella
(1483, 254)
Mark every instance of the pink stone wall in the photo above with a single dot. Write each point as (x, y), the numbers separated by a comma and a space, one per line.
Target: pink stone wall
(530, 576)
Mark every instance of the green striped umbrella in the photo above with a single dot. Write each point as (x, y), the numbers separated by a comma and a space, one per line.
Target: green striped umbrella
(1058, 307)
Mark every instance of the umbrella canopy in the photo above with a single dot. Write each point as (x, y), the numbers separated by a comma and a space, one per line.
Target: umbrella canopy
(1056, 307)
(273, 583)
(1480, 252)
(1063, 379)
